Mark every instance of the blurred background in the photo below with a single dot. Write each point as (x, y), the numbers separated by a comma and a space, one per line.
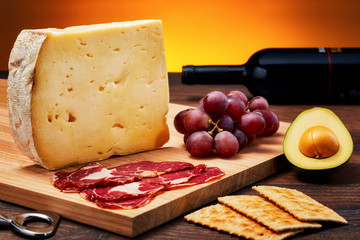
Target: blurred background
(198, 32)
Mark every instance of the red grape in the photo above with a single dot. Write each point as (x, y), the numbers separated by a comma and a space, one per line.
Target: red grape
(251, 123)
(200, 105)
(240, 95)
(226, 144)
(179, 121)
(276, 124)
(186, 136)
(215, 103)
(241, 137)
(250, 138)
(269, 120)
(236, 108)
(258, 102)
(196, 120)
(200, 144)
(225, 122)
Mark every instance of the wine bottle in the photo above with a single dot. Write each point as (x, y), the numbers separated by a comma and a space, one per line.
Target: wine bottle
(290, 75)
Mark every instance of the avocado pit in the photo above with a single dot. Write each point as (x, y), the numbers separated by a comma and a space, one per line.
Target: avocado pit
(318, 142)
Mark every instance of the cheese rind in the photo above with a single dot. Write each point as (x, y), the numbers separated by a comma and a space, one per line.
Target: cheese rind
(86, 93)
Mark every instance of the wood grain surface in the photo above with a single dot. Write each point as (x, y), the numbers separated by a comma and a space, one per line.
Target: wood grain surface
(341, 191)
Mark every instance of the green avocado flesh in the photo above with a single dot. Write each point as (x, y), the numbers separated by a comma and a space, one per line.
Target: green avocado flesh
(317, 117)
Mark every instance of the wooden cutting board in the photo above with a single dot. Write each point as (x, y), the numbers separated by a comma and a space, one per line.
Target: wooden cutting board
(26, 184)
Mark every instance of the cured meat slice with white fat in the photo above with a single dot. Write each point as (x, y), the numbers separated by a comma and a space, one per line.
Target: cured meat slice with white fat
(177, 177)
(63, 179)
(91, 175)
(126, 191)
(206, 176)
(151, 169)
(95, 175)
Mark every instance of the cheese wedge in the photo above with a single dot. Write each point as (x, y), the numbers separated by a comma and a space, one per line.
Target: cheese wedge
(85, 93)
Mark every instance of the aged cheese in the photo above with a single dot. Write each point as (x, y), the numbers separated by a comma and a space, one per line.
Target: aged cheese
(85, 93)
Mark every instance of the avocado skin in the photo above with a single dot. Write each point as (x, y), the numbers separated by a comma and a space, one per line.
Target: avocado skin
(318, 173)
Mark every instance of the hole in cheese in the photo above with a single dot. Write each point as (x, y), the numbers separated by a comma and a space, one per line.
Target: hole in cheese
(71, 117)
(117, 125)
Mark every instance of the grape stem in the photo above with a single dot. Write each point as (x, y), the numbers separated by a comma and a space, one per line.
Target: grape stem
(216, 127)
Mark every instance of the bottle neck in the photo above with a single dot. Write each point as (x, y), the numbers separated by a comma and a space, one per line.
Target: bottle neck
(213, 74)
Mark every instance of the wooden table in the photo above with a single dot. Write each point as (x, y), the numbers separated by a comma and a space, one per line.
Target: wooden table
(340, 192)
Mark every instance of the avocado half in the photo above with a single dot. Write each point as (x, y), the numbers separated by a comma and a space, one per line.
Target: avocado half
(314, 166)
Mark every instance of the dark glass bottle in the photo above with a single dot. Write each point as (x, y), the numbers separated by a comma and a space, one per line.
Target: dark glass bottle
(290, 75)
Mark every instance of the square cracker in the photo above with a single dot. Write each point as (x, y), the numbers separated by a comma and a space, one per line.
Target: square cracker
(265, 212)
(299, 204)
(225, 219)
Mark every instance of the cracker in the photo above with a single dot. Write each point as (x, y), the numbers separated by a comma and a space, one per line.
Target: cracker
(225, 219)
(299, 204)
(265, 212)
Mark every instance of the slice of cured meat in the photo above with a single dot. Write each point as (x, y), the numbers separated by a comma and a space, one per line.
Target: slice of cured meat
(95, 175)
(151, 169)
(129, 203)
(206, 176)
(63, 179)
(91, 175)
(179, 177)
(126, 191)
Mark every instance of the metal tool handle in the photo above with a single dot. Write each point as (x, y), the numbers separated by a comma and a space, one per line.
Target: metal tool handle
(20, 223)
(4, 220)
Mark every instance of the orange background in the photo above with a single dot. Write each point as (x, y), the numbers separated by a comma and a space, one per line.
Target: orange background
(199, 32)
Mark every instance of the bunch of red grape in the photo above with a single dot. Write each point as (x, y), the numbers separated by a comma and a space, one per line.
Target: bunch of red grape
(225, 123)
